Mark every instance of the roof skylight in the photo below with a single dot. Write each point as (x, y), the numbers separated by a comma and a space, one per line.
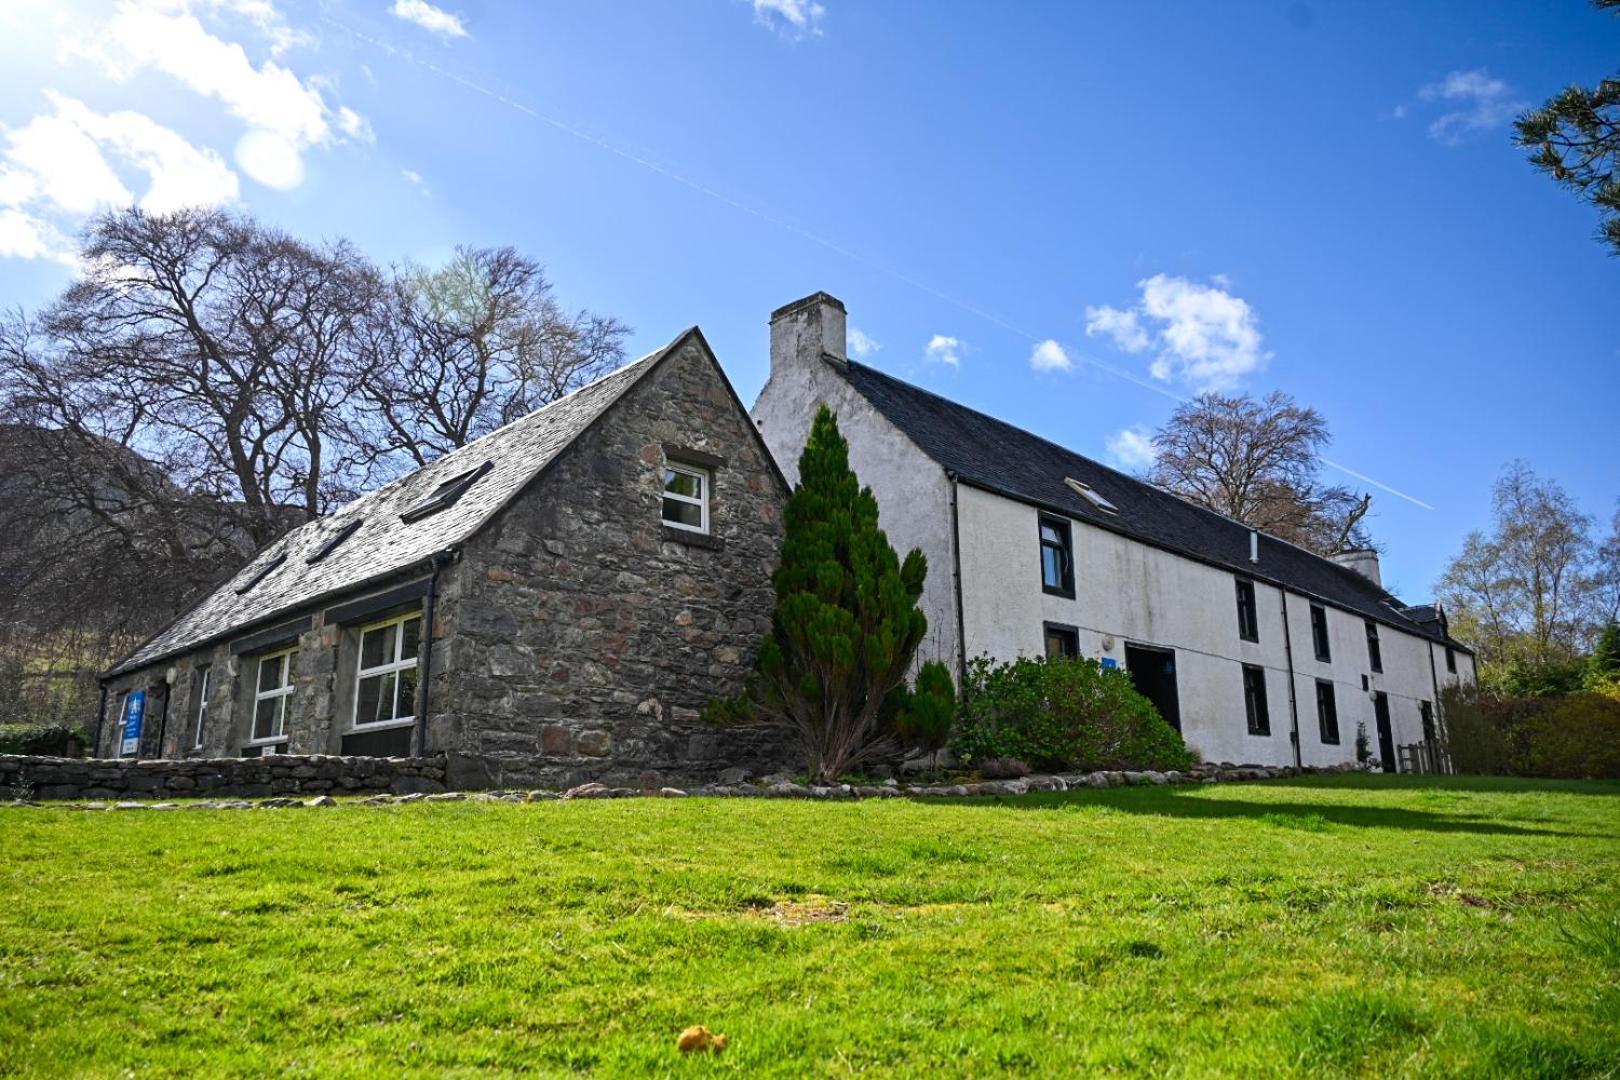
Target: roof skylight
(445, 495)
(331, 542)
(261, 573)
(1085, 491)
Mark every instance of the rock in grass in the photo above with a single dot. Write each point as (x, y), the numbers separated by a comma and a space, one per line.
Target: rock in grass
(278, 804)
(589, 791)
(322, 800)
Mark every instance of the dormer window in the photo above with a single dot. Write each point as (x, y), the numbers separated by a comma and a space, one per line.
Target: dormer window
(445, 495)
(686, 497)
(1086, 492)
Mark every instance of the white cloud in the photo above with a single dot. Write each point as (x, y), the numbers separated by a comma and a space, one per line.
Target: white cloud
(432, 19)
(797, 17)
(74, 161)
(1204, 336)
(861, 345)
(1121, 327)
(1050, 356)
(1132, 449)
(414, 178)
(1475, 101)
(944, 350)
(285, 115)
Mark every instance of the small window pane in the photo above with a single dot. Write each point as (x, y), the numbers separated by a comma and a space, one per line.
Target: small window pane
(1050, 534)
(406, 703)
(376, 698)
(267, 717)
(377, 646)
(684, 513)
(270, 673)
(683, 483)
(411, 631)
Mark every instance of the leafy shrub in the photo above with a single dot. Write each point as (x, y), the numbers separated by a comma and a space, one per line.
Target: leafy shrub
(45, 739)
(1569, 736)
(926, 713)
(1062, 713)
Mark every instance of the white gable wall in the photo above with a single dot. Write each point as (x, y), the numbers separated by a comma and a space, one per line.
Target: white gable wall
(912, 490)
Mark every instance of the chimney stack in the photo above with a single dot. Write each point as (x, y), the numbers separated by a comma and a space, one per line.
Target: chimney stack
(807, 331)
(1363, 562)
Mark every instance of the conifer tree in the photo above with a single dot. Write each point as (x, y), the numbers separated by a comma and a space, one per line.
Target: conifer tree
(846, 624)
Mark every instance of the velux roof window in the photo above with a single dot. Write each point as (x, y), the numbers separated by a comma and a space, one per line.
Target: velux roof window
(261, 573)
(1085, 491)
(331, 543)
(445, 495)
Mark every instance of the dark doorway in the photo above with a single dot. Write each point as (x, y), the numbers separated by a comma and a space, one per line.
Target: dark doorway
(1154, 673)
(1386, 736)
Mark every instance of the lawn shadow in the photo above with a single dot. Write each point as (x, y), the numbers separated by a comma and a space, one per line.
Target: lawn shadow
(1492, 785)
(1187, 802)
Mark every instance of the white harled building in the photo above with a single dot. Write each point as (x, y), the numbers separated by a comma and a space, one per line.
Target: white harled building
(1257, 650)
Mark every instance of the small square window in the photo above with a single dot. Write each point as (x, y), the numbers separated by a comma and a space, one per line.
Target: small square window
(686, 497)
(1057, 557)
(1062, 642)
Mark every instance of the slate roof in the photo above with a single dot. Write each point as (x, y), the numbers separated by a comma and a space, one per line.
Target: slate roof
(383, 545)
(991, 454)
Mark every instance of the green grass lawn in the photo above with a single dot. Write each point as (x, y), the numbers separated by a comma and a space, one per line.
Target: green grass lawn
(1343, 925)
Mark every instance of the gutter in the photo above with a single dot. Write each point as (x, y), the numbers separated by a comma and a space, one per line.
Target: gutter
(425, 683)
(1293, 695)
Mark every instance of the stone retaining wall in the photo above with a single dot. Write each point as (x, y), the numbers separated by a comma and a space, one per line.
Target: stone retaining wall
(284, 774)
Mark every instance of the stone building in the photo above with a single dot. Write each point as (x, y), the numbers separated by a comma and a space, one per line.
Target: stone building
(1258, 650)
(576, 585)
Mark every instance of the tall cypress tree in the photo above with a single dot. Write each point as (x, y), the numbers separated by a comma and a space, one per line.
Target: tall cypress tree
(846, 624)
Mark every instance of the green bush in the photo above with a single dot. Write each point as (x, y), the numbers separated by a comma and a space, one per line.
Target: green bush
(1567, 736)
(1062, 714)
(926, 713)
(46, 739)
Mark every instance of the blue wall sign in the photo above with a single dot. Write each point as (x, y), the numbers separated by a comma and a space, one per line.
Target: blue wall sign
(134, 714)
(1109, 661)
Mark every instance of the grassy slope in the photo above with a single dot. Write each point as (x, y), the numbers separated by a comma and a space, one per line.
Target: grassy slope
(1335, 925)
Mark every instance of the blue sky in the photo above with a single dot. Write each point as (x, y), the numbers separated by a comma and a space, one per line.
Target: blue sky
(1064, 214)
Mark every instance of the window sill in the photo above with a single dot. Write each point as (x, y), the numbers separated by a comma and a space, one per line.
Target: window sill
(707, 541)
(1067, 594)
(276, 741)
(384, 725)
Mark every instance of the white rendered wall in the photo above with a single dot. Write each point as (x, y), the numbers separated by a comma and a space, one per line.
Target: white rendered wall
(913, 493)
(1127, 591)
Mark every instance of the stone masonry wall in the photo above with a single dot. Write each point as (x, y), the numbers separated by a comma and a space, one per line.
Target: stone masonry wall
(588, 636)
(75, 778)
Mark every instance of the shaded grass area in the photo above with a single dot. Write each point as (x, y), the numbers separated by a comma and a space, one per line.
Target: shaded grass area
(1333, 926)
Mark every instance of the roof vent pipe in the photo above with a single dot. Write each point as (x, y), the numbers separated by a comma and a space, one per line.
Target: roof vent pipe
(1254, 546)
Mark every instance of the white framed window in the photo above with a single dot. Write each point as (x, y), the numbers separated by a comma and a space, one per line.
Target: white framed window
(686, 497)
(203, 680)
(272, 691)
(385, 680)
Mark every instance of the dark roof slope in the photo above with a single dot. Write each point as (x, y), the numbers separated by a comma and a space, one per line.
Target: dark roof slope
(992, 454)
(382, 544)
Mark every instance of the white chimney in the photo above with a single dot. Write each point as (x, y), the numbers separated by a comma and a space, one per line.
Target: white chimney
(1363, 562)
(807, 331)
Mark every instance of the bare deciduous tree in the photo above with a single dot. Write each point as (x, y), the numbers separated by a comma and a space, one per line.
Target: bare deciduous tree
(1257, 461)
(1524, 592)
(474, 345)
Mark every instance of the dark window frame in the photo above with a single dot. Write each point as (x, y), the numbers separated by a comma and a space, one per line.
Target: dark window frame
(1248, 610)
(1451, 660)
(1375, 653)
(1069, 634)
(1327, 712)
(1320, 641)
(1065, 549)
(446, 495)
(1255, 707)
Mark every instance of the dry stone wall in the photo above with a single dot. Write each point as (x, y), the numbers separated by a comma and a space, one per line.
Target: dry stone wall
(53, 778)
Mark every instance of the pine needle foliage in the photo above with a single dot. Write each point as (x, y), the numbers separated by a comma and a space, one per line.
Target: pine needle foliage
(846, 624)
